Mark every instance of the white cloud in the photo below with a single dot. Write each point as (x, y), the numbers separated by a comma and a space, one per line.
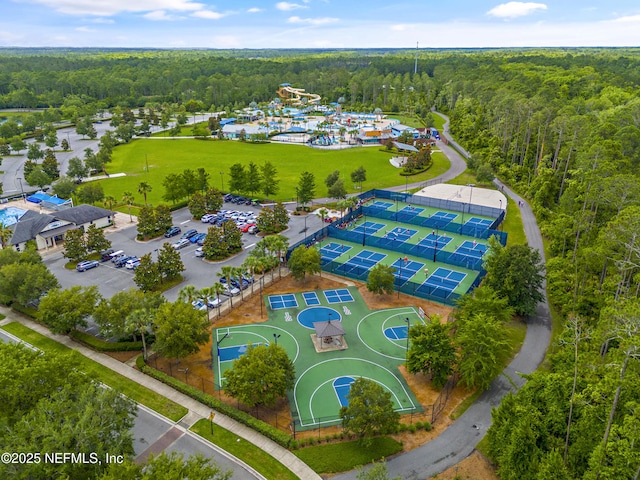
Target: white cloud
(159, 15)
(208, 14)
(102, 8)
(85, 29)
(398, 28)
(628, 19)
(313, 21)
(255, 10)
(102, 20)
(286, 6)
(515, 9)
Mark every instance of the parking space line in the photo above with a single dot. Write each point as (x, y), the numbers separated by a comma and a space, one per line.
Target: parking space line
(249, 246)
(186, 221)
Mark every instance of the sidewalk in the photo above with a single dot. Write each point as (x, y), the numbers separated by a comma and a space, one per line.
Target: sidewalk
(197, 411)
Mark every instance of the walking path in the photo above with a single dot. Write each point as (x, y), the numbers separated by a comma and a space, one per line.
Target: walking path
(459, 440)
(197, 410)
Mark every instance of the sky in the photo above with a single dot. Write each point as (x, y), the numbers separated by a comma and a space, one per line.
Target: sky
(317, 23)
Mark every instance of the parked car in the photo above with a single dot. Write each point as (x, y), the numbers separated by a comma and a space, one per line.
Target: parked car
(206, 217)
(87, 265)
(231, 291)
(245, 228)
(183, 242)
(202, 239)
(199, 304)
(199, 252)
(215, 302)
(105, 255)
(253, 230)
(189, 233)
(196, 238)
(122, 261)
(116, 255)
(172, 232)
(132, 263)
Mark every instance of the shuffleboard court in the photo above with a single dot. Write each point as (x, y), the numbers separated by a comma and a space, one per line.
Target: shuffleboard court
(279, 302)
(341, 295)
(311, 298)
(342, 386)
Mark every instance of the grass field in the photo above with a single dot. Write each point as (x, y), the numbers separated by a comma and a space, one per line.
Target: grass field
(253, 456)
(128, 387)
(166, 156)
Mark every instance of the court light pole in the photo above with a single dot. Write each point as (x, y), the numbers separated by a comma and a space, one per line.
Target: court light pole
(364, 230)
(276, 336)
(462, 223)
(435, 250)
(408, 327)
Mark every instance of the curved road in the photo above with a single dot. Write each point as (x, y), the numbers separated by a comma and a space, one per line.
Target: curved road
(459, 440)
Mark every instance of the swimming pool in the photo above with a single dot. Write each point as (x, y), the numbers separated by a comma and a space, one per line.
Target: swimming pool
(10, 215)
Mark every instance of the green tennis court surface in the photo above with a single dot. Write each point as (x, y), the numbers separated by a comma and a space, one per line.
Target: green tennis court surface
(373, 346)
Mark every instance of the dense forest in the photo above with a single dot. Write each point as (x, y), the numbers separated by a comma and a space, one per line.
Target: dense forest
(561, 126)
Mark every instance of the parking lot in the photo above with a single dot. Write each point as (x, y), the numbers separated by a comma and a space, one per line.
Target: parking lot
(198, 272)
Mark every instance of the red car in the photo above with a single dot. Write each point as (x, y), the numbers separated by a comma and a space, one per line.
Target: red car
(245, 228)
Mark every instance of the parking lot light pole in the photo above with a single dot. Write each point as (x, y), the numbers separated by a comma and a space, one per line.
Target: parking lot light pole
(22, 190)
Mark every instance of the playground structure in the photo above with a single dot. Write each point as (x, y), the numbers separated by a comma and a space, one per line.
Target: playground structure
(295, 96)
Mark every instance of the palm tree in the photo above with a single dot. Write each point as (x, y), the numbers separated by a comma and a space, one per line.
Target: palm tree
(323, 214)
(140, 321)
(144, 188)
(217, 288)
(188, 294)
(205, 293)
(251, 264)
(110, 202)
(5, 235)
(127, 197)
(237, 274)
(227, 273)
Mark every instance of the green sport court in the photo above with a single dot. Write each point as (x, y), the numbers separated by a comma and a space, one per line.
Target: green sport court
(373, 346)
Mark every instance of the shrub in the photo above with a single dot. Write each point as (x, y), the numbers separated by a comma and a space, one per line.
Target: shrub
(103, 346)
(28, 311)
(412, 428)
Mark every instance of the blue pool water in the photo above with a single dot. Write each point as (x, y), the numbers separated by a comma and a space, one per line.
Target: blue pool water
(10, 215)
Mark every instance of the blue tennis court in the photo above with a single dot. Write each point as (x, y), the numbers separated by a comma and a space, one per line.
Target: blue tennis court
(405, 270)
(442, 282)
(338, 296)
(480, 222)
(381, 205)
(332, 250)
(433, 240)
(279, 302)
(411, 211)
(310, 298)
(368, 228)
(226, 354)
(400, 234)
(342, 387)
(396, 333)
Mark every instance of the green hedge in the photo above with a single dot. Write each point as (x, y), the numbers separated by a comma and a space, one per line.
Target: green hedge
(28, 311)
(265, 429)
(103, 346)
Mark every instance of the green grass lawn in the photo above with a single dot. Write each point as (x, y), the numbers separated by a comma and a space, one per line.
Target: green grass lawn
(176, 155)
(128, 387)
(253, 456)
(340, 457)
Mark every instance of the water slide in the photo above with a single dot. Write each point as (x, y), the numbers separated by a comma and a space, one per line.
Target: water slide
(294, 96)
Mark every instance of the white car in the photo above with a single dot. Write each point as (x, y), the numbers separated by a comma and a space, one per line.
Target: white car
(199, 304)
(199, 252)
(132, 264)
(231, 292)
(183, 242)
(214, 302)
